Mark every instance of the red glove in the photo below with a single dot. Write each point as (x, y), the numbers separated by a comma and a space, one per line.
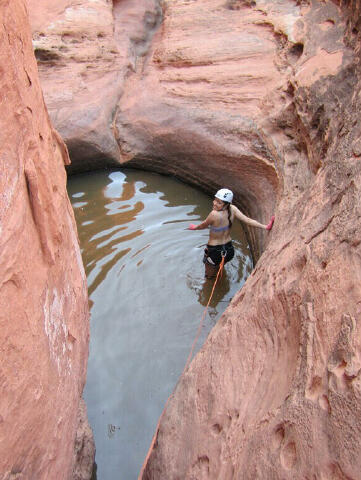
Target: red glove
(192, 226)
(270, 225)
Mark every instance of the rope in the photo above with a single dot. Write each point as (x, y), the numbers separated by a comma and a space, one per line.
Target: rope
(219, 273)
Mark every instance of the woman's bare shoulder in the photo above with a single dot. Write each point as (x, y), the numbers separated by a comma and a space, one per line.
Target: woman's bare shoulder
(212, 215)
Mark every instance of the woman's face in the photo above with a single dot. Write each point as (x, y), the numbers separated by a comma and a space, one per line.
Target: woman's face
(218, 204)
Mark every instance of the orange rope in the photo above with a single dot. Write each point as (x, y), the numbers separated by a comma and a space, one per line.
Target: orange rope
(219, 273)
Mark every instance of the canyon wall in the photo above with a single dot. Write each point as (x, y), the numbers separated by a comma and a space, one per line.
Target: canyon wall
(43, 298)
(275, 391)
(261, 97)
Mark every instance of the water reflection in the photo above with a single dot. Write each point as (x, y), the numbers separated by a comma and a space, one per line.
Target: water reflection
(223, 287)
(147, 288)
(104, 203)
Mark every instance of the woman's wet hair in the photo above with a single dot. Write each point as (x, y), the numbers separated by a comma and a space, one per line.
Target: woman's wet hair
(229, 213)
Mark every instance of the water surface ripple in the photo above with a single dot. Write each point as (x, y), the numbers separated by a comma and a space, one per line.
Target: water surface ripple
(147, 295)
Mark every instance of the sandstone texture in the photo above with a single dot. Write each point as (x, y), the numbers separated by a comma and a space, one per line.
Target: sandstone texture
(85, 50)
(275, 391)
(261, 97)
(43, 299)
(84, 446)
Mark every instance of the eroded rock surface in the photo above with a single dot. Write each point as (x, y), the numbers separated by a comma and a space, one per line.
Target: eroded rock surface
(84, 447)
(275, 391)
(261, 97)
(85, 50)
(43, 298)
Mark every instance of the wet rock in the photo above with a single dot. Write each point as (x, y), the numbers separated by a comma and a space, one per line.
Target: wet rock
(84, 447)
(43, 298)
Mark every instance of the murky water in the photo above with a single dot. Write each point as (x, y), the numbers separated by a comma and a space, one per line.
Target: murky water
(147, 292)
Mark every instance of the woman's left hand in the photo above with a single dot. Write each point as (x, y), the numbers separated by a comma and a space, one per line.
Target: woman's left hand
(270, 225)
(192, 226)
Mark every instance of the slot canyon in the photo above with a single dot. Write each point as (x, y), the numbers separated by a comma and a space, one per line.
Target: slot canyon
(262, 97)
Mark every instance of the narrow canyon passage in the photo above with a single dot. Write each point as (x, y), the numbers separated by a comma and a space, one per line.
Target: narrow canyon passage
(147, 294)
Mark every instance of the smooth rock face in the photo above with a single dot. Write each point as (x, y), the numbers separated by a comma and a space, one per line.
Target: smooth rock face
(84, 55)
(43, 299)
(261, 97)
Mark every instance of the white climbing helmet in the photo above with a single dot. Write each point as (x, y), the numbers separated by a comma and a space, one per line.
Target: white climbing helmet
(225, 195)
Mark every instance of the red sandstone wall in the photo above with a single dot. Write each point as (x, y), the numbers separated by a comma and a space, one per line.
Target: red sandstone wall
(275, 391)
(43, 298)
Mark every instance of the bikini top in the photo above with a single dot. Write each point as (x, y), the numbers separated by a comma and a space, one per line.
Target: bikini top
(219, 229)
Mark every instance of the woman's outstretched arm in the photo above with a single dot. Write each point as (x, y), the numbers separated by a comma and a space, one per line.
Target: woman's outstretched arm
(243, 218)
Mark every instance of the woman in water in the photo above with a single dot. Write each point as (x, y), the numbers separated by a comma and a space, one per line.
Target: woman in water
(220, 222)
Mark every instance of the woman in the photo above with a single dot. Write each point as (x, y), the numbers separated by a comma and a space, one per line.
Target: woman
(220, 222)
